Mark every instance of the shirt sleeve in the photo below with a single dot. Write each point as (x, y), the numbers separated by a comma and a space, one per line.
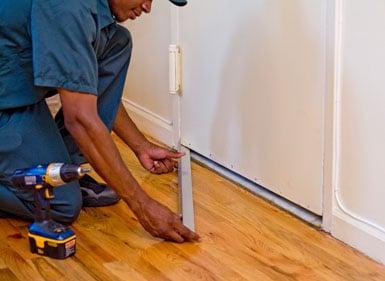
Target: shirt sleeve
(63, 34)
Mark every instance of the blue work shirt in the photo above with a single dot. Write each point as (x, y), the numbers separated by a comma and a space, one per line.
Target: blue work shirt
(49, 44)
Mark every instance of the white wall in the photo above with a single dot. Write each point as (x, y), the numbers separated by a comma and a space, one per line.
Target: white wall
(146, 93)
(359, 204)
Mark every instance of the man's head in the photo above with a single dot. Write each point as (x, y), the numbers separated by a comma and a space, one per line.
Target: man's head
(131, 9)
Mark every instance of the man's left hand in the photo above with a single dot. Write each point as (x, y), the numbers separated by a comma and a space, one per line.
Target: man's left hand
(158, 160)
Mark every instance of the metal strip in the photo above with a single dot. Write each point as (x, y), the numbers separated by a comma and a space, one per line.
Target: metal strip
(185, 190)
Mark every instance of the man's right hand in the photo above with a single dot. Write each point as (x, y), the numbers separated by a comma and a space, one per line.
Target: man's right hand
(161, 222)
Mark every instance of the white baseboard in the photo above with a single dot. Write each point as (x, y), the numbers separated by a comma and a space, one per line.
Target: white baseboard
(358, 235)
(150, 123)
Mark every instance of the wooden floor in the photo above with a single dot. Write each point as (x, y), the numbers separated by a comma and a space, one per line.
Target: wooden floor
(244, 238)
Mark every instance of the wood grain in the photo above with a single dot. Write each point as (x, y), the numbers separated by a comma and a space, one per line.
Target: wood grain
(7, 275)
(244, 238)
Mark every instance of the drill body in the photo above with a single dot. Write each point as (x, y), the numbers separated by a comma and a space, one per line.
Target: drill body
(47, 237)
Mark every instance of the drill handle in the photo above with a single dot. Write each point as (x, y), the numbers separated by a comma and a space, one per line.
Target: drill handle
(48, 192)
(42, 200)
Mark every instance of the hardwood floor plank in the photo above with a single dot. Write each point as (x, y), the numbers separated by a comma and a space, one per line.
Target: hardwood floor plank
(18, 265)
(123, 244)
(72, 270)
(47, 270)
(123, 271)
(7, 275)
(91, 257)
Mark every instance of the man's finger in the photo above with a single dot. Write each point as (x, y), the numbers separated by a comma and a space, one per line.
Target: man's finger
(162, 167)
(159, 167)
(174, 236)
(169, 164)
(186, 233)
(175, 154)
(158, 171)
(192, 236)
(155, 168)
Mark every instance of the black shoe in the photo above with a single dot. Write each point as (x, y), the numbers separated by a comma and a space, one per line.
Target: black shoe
(96, 194)
(3, 215)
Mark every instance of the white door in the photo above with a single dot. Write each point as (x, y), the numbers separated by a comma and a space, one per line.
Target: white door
(253, 90)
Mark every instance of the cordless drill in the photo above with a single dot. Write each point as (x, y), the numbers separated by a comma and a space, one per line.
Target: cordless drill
(47, 237)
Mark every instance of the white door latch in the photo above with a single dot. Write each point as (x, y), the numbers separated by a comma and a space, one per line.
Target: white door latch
(175, 69)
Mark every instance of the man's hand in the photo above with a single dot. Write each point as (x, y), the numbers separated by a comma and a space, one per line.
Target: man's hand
(161, 222)
(158, 160)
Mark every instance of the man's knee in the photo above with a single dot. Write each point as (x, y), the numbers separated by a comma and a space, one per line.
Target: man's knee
(70, 215)
(67, 213)
(67, 204)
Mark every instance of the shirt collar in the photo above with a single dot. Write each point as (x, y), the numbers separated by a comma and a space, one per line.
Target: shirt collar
(104, 14)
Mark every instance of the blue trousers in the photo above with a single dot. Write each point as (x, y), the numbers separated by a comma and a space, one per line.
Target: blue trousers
(29, 135)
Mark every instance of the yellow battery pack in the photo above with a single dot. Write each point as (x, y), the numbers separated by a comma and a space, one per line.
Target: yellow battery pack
(53, 248)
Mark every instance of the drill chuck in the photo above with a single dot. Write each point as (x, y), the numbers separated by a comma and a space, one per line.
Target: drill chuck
(59, 174)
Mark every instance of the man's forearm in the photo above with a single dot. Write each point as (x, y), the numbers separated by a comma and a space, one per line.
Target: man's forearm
(97, 145)
(126, 129)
